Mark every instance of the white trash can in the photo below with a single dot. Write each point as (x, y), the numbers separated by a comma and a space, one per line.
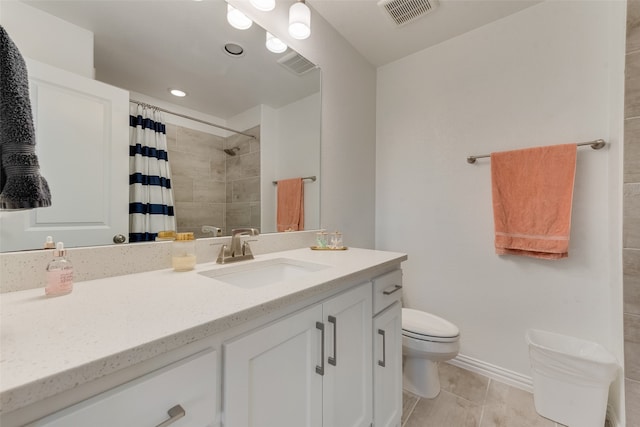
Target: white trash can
(571, 378)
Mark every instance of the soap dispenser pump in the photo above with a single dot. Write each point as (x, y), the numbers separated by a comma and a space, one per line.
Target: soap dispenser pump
(59, 273)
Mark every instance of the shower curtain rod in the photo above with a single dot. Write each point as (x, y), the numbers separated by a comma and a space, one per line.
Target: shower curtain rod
(596, 145)
(191, 118)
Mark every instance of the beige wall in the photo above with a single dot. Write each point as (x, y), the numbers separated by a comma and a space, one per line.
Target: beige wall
(631, 238)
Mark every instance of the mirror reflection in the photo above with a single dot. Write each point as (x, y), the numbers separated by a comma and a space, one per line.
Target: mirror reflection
(220, 179)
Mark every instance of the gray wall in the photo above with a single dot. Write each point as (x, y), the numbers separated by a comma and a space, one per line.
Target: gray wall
(631, 233)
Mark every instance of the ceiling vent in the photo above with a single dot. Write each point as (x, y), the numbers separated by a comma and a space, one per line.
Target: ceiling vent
(404, 11)
(296, 63)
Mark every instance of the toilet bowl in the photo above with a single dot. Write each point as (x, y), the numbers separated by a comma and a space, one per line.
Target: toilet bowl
(426, 340)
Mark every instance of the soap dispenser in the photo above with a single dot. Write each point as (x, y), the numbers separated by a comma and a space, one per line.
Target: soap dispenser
(59, 273)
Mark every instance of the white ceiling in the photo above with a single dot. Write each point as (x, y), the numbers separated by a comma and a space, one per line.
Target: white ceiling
(369, 29)
(148, 46)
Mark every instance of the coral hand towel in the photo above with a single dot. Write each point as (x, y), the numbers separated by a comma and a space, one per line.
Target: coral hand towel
(290, 205)
(532, 192)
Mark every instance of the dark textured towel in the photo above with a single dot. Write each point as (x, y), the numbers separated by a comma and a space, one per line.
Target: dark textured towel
(21, 185)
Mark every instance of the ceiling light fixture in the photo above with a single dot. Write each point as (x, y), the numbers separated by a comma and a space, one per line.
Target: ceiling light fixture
(299, 20)
(263, 5)
(237, 19)
(178, 92)
(274, 44)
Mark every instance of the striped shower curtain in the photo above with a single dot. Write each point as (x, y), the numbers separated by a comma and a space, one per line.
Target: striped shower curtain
(150, 193)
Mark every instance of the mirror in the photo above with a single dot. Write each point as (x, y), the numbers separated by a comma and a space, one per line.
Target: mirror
(146, 48)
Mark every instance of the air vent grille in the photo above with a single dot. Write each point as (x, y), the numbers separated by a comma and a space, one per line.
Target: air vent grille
(296, 63)
(404, 11)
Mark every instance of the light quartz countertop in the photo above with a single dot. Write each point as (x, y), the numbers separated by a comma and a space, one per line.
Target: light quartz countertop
(50, 345)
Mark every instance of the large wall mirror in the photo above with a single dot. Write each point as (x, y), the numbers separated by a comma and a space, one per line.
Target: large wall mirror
(220, 178)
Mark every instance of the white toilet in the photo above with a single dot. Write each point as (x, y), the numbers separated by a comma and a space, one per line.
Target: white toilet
(426, 340)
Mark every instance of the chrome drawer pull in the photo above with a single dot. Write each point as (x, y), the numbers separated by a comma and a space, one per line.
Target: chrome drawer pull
(384, 350)
(320, 369)
(334, 360)
(394, 289)
(175, 414)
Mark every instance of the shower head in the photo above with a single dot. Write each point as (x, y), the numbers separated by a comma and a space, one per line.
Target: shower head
(231, 151)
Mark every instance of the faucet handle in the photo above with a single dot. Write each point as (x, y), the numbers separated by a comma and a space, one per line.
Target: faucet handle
(246, 249)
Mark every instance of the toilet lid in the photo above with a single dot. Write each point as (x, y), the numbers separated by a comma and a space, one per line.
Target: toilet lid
(422, 323)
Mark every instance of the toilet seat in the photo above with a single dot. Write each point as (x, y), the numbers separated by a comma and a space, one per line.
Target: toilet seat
(423, 326)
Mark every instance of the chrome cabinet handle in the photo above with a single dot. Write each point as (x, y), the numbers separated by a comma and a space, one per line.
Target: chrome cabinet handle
(320, 369)
(391, 290)
(333, 360)
(175, 413)
(384, 350)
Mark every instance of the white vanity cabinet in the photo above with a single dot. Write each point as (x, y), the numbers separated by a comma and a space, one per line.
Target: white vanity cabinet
(182, 394)
(312, 368)
(387, 350)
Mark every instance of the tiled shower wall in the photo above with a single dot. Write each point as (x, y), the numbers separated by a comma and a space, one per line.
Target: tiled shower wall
(243, 181)
(631, 236)
(210, 186)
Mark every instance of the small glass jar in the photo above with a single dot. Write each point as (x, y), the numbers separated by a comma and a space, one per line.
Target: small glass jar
(183, 252)
(322, 240)
(336, 240)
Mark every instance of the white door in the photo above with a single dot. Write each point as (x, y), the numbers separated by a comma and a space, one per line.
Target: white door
(347, 390)
(270, 375)
(387, 367)
(82, 143)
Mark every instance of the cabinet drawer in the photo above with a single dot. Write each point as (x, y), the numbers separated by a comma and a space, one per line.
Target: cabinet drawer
(145, 401)
(387, 289)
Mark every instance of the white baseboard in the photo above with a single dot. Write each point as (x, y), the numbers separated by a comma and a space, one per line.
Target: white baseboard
(497, 373)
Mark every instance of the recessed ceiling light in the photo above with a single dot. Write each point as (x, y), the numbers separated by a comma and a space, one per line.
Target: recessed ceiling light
(178, 92)
(233, 49)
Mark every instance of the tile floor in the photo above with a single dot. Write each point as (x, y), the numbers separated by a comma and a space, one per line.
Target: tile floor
(468, 399)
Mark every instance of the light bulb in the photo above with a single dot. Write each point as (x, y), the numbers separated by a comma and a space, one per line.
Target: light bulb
(274, 44)
(299, 21)
(178, 92)
(263, 5)
(237, 19)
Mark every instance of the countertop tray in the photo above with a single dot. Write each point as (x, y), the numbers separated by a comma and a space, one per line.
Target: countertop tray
(318, 248)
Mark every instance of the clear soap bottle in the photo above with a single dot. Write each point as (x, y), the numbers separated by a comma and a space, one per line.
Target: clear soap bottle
(59, 273)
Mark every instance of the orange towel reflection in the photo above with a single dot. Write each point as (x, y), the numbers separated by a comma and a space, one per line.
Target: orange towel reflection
(290, 214)
(532, 192)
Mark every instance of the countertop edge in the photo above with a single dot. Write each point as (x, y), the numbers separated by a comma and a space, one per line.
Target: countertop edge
(29, 393)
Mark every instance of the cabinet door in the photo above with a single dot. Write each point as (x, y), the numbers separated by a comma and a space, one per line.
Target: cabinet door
(147, 401)
(82, 145)
(347, 389)
(387, 367)
(270, 376)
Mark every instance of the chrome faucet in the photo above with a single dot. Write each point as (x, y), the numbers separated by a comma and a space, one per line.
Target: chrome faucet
(238, 250)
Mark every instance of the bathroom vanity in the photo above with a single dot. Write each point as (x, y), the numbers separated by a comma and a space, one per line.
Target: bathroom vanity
(293, 338)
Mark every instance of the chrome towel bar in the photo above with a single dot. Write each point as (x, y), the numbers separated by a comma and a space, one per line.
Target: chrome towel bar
(311, 178)
(596, 145)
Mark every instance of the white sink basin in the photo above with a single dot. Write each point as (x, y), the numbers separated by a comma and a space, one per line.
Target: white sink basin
(263, 273)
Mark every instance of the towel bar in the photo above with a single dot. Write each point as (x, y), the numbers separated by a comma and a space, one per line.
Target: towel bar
(596, 145)
(312, 178)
